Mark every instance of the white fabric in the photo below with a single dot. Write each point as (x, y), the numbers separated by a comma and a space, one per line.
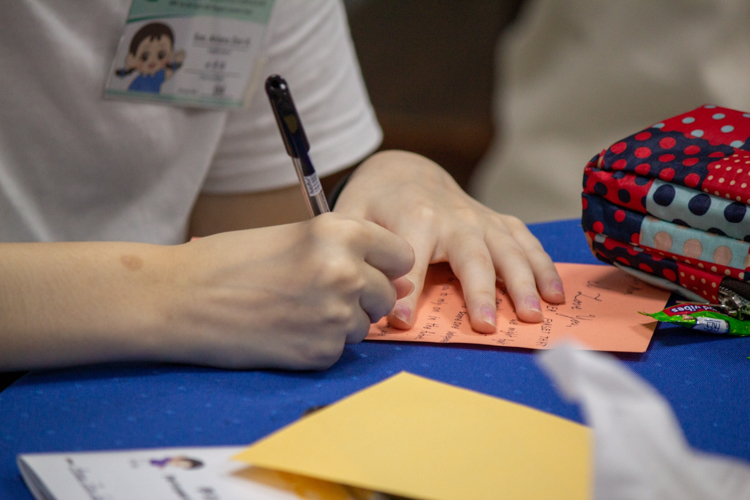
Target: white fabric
(577, 75)
(640, 450)
(74, 166)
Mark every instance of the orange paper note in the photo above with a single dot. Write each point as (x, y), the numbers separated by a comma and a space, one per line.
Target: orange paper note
(600, 312)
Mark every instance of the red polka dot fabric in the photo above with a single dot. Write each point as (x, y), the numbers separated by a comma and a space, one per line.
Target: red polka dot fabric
(622, 189)
(670, 202)
(729, 177)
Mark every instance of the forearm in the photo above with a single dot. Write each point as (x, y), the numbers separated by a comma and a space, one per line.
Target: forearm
(287, 296)
(230, 212)
(70, 303)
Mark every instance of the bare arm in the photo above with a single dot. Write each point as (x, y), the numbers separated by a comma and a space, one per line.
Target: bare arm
(228, 212)
(69, 303)
(224, 300)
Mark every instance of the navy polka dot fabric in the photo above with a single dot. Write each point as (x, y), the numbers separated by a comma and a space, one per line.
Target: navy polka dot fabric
(698, 204)
(664, 195)
(672, 200)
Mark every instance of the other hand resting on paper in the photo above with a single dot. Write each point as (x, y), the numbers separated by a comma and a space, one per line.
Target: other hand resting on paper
(419, 201)
(287, 296)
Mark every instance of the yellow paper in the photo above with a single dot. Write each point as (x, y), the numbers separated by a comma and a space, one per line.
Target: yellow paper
(423, 439)
(299, 486)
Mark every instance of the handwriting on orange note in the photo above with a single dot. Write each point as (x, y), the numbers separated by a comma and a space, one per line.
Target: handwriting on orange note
(601, 312)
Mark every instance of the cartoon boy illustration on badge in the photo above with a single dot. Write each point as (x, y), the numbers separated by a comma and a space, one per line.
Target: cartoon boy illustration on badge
(180, 462)
(151, 55)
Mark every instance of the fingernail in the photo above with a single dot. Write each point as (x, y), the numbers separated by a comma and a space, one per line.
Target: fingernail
(557, 285)
(403, 313)
(533, 303)
(488, 314)
(410, 289)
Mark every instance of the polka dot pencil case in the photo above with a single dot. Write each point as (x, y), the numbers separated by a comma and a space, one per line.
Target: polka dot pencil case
(670, 204)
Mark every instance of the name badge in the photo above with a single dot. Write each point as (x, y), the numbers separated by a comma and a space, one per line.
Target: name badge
(197, 53)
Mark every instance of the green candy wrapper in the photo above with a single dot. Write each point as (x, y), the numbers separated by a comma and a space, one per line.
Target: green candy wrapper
(703, 318)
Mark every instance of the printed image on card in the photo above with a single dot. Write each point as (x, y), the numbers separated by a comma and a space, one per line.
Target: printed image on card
(200, 53)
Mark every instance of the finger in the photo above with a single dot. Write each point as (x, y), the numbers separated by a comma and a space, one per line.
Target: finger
(377, 246)
(513, 266)
(404, 312)
(387, 252)
(472, 263)
(548, 280)
(378, 296)
(360, 328)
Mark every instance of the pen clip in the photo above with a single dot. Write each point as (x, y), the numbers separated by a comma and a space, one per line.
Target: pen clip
(287, 119)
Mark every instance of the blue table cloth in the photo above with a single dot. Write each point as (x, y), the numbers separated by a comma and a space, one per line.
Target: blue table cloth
(705, 378)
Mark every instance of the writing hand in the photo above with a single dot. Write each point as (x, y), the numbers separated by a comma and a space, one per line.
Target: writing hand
(287, 296)
(417, 200)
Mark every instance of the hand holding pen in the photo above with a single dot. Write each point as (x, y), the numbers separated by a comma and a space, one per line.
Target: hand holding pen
(414, 198)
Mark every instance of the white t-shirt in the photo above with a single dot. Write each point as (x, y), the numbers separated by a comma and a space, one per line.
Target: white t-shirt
(75, 166)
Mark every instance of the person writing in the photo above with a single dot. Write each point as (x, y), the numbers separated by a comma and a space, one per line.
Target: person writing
(99, 199)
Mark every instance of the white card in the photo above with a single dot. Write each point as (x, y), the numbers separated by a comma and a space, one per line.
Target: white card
(206, 473)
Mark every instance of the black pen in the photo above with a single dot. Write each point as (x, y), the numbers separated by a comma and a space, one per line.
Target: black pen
(296, 143)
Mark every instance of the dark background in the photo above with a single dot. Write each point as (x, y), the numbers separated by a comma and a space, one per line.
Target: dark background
(429, 68)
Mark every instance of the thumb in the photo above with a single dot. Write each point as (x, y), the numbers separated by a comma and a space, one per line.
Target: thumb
(404, 287)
